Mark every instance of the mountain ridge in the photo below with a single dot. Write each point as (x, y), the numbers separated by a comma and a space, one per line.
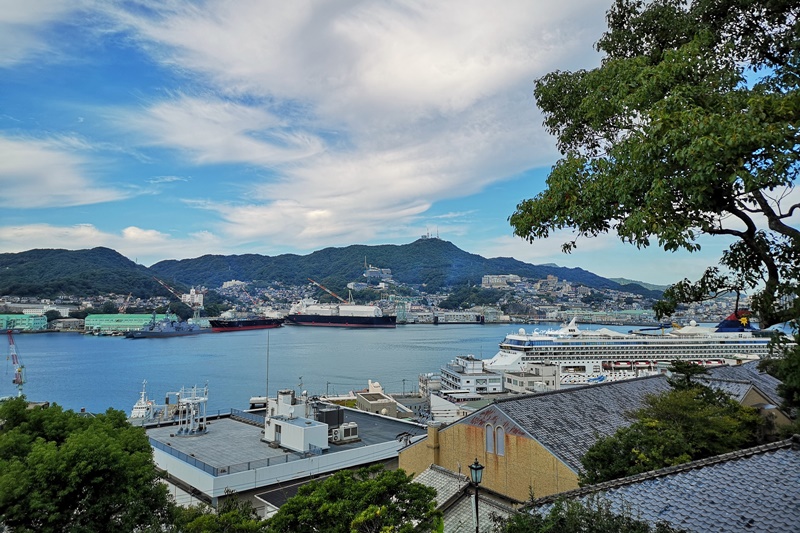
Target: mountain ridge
(430, 263)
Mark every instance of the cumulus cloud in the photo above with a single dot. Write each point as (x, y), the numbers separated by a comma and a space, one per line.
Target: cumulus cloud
(352, 119)
(146, 246)
(47, 173)
(357, 112)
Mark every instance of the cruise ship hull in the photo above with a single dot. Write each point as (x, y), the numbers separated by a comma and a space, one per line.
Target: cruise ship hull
(342, 321)
(570, 356)
(244, 324)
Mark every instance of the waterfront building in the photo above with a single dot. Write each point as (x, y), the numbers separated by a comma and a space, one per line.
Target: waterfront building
(67, 324)
(119, 322)
(193, 299)
(42, 309)
(24, 322)
(429, 383)
(375, 400)
(257, 453)
(466, 373)
(540, 378)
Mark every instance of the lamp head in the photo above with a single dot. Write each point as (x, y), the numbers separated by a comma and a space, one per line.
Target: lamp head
(476, 472)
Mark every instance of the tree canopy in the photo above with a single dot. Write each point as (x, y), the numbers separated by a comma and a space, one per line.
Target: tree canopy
(369, 499)
(688, 128)
(572, 516)
(687, 423)
(60, 471)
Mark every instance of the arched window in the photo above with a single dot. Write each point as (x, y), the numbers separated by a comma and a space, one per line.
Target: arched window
(500, 440)
(489, 432)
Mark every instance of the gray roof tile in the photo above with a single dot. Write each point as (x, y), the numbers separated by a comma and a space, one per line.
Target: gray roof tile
(455, 498)
(749, 372)
(567, 422)
(460, 517)
(447, 484)
(747, 491)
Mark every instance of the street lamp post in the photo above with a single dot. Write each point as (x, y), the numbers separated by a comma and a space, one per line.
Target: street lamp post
(476, 475)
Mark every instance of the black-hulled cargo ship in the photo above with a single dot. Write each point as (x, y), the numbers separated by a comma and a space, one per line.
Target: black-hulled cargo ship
(311, 313)
(244, 324)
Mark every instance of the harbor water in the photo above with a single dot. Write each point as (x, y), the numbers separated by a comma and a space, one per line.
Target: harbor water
(82, 371)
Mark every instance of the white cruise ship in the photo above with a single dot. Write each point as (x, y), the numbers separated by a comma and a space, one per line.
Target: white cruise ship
(594, 356)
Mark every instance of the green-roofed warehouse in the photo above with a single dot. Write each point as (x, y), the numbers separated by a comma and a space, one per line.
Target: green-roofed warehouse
(23, 322)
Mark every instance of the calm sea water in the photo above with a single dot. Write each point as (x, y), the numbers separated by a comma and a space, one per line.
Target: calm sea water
(81, 371)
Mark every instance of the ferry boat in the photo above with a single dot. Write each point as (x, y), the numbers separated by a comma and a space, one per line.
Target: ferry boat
(595, 356)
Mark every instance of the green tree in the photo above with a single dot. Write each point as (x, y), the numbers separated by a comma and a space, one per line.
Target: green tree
(787, 369)
(79, 314)
(678, 426)
(683, 374)
(688, 128)
(109, 308)
(60, 471)
(234, 515)
(571, 516)
(52, 315)
(370, 499)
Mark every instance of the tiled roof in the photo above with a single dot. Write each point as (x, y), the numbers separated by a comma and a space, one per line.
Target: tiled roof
(569, 421)
(455, 499)
(736, 389)
(747, 491)
(447, 484)
(749, 372)
(459, 517)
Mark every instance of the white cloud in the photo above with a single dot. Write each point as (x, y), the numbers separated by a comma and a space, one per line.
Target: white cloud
(24, 29)
(146, 246)
(48, 173)
(362, 115)
(212, 130)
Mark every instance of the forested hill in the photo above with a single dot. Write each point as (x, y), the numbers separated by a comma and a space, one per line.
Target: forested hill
(49, 273)
(434, 263)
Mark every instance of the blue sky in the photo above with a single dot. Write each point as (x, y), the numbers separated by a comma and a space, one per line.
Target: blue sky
(170, 130)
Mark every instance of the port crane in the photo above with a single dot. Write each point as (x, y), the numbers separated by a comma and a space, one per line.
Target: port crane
(177, 295)
(124, 306)
(326, 289)
(19, 370)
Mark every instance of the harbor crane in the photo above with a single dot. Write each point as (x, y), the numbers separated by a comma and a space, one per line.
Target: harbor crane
(326, 289)
(195, 305)
(19, 370)
(124, 306)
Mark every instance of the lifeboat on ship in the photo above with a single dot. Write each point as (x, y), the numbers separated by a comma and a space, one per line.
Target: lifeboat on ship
(642, 364)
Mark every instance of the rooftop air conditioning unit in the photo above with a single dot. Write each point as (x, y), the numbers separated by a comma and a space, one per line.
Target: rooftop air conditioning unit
(336, 436)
